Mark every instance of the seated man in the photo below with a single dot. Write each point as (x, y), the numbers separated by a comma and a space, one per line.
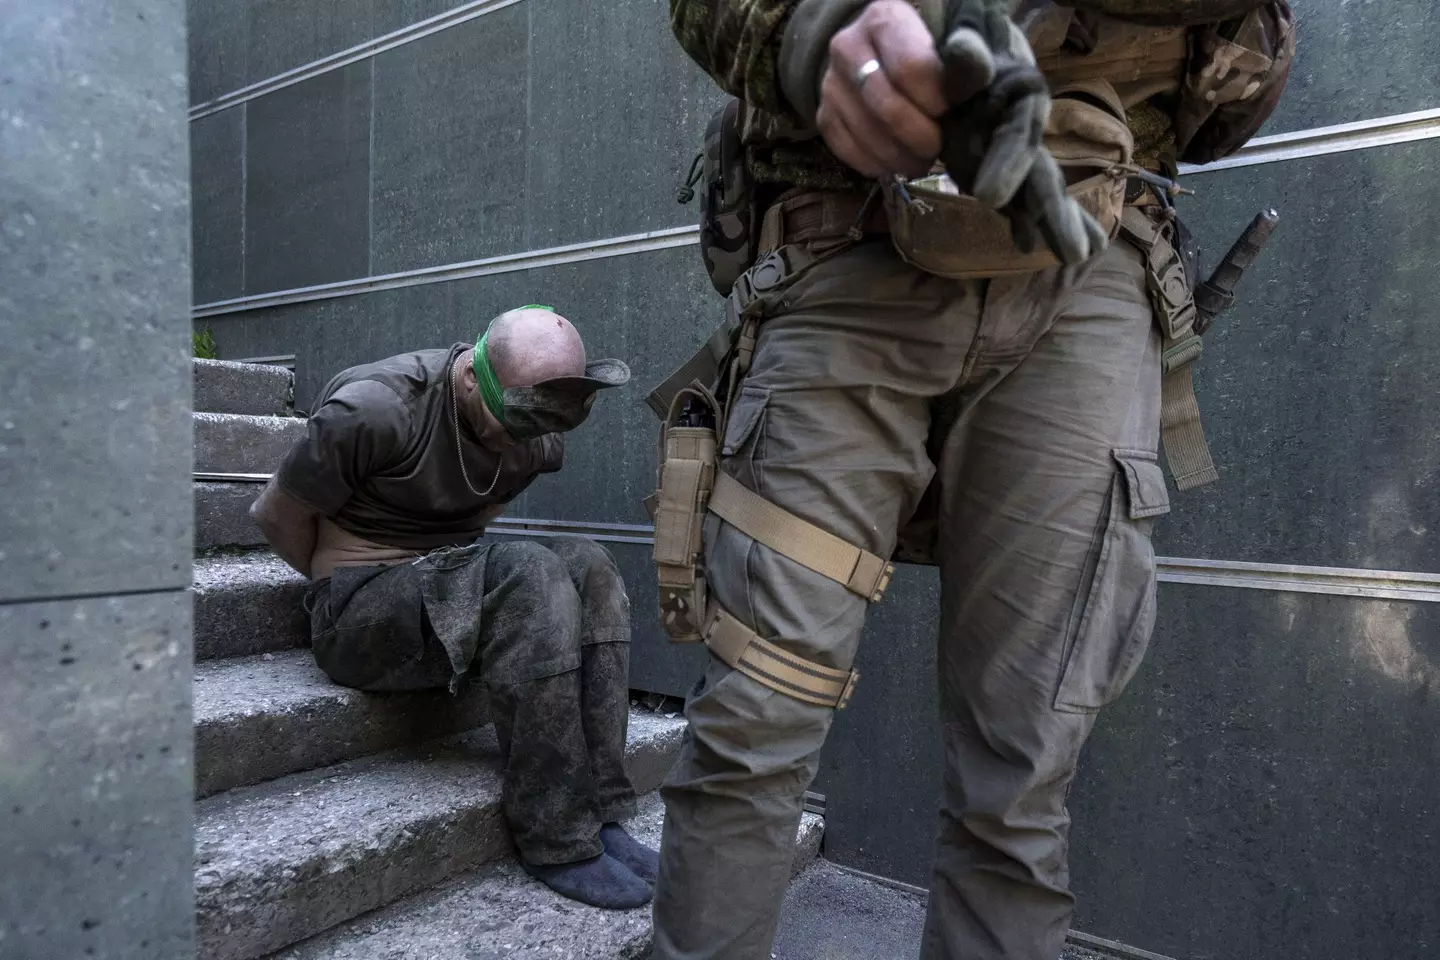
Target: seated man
(381, 504)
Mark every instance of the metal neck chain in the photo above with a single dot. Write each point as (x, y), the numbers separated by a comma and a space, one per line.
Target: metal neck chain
(460, 451)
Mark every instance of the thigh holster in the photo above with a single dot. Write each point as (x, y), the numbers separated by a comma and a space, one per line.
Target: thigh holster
(691, 485)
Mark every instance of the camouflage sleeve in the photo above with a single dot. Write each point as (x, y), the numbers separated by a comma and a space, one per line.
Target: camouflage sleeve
(1168, 13)
(737, 42)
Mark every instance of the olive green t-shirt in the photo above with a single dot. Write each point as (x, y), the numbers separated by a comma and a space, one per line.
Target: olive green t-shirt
(381, 459)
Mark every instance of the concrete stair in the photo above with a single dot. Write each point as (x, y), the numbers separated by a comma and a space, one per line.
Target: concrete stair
(332, 823)
(289, 859)
(247, 604)
(498, 911)
(222, 515)
(222, 386)
(242, 443)
(262, 717)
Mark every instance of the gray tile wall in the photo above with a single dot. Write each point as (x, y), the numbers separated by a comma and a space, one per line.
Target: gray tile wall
(95, 523)
(1358, 60)
(532, 126)
(307, 182)
(1321, 388)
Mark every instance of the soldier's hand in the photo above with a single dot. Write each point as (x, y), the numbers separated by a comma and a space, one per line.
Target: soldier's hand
(887, 122)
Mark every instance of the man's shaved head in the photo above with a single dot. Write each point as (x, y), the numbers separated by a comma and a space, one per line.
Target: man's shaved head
(532, 344)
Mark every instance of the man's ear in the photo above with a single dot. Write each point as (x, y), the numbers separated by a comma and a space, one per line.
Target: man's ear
(468, 376)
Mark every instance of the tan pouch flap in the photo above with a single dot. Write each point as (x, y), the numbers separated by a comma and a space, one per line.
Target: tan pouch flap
(952, 235)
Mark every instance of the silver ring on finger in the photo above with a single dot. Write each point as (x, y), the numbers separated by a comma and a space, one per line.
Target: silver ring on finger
(868, 68)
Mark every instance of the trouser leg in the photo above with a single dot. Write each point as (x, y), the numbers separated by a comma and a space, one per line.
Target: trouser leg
(530, 662)
(604, 669)
(831, 425)
(1047, 481)
(369, 631)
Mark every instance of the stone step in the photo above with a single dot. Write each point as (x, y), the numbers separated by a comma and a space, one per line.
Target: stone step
(282, 861)
(239, 443)
(262, 717)
(498, 911)
(223, 386)
(222, 515)
(246, 604)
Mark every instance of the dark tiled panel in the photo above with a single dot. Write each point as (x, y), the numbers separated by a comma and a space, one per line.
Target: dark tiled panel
(394, 14)
(449, 146)
(617, 113)
(308, 180)
(217, 204)
(1269, 784)
(1357, 61)
(94, 293)
(1321, 389)
(285, 34)
(219, 43)
(95, 803)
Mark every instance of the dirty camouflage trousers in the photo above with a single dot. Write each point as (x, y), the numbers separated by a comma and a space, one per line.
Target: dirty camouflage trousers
(1029, 409)
(544, 629)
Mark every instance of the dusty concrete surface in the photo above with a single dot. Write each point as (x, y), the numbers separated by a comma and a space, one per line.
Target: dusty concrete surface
(498, 911)
(237, 443)
(285, 860)
(222, 515)
(247, 604)
(222, 386)
(265, 716)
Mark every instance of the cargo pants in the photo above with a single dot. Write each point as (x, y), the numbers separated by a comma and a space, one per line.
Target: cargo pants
(544, 629)
(1032, 406)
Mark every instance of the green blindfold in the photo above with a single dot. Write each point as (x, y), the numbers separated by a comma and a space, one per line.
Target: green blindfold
(550, 406)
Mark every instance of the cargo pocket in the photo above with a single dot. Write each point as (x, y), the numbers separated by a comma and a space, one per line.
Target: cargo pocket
(746, 419)
(726, 551)
(1115, 610)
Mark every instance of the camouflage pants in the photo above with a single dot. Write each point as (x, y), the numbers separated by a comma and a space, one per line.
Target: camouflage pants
(545, 630)
(1023, 415)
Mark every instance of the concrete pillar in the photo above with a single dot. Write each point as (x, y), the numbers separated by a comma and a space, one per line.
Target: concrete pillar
(95, 507)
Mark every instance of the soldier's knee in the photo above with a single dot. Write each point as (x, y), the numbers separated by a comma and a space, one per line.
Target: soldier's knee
(745, 732)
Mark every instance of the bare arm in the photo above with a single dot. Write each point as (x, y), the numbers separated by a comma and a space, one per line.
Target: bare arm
(290, 527)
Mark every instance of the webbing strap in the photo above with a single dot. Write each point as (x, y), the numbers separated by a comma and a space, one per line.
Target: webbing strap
(861, 572)
(1185, 447)
(745, 650)
(1186, 451)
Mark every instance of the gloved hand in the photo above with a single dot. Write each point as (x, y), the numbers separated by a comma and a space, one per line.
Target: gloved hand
(992, 136)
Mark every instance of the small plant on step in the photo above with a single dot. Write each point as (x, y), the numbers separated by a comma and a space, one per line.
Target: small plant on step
(205, 344)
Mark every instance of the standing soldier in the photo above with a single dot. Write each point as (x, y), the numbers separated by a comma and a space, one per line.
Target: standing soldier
(971, 366)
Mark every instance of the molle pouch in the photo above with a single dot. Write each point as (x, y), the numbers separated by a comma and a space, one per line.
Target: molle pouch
(688, 461)
(728, 228)
(1236, 72)
(939, 230)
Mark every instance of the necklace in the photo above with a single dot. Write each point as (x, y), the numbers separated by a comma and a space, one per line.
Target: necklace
(459, 451)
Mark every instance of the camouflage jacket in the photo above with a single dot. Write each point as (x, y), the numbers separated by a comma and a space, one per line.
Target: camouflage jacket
(737, 42)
